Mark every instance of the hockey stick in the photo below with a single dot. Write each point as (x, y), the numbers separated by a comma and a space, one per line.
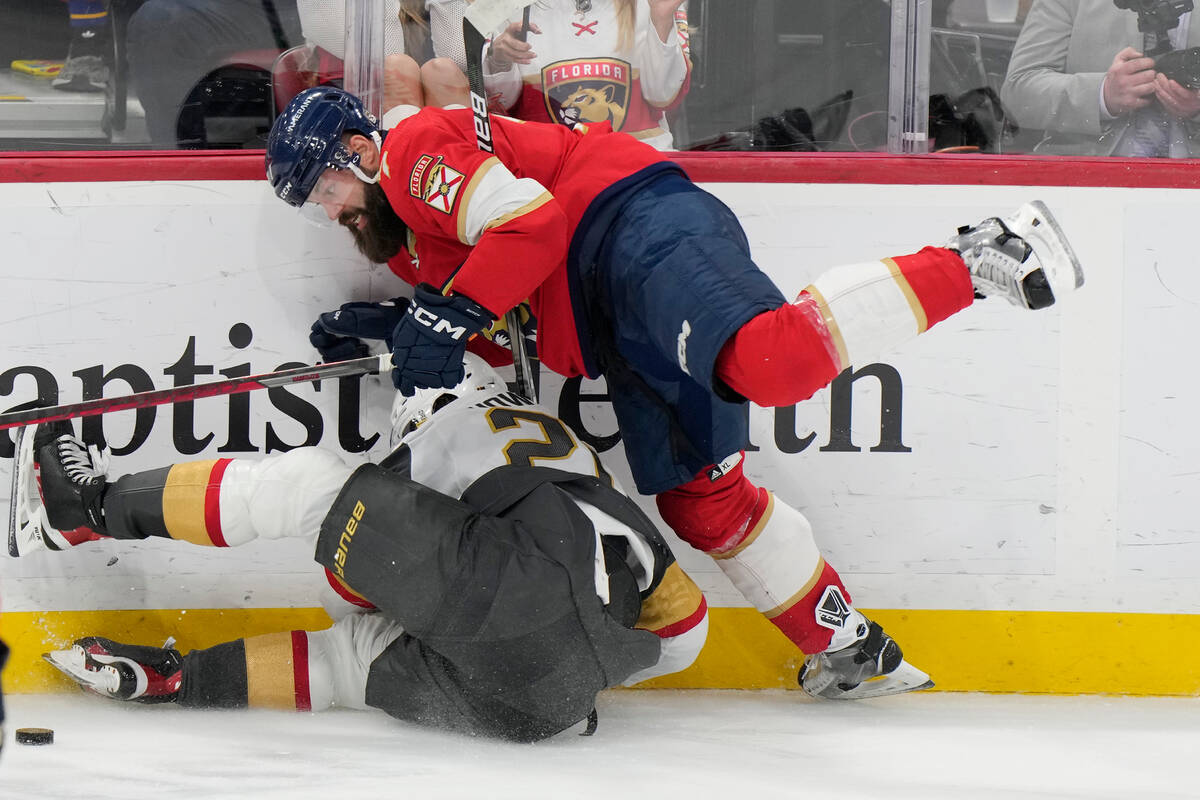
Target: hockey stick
(370, 365)
(486, 15)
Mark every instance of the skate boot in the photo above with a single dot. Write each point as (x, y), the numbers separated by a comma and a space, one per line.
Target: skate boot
(1024, 257)
(57, 492)
(122, 671)
(861, 661)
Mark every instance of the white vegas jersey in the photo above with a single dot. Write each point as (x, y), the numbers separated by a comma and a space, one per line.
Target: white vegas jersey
(468, 438)
(464, 441)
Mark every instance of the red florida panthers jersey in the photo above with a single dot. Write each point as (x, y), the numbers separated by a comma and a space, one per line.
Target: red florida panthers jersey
(497, 227)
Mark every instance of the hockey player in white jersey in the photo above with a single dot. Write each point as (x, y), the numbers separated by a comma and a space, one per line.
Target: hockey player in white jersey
(502, 580)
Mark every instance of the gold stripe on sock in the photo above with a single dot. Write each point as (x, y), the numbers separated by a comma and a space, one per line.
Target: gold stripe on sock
(798, 596)
(270, 675)
(753, 534)
(906, 288)
(831, 325)
(183, 502)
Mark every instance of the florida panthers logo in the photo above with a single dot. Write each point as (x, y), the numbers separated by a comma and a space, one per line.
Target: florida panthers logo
(587, 90)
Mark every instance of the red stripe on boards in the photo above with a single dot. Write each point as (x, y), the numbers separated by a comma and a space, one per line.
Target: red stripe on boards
(868, 168)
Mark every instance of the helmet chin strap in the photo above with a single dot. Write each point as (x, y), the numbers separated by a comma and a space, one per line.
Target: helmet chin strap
(357, 170)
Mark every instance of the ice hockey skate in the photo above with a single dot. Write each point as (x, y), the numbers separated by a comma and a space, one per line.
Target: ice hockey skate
(57, 489)
(122, 671)
(870, 665)
(1024, 257)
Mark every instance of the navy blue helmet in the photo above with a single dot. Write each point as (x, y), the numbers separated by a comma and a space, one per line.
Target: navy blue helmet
(306, 140)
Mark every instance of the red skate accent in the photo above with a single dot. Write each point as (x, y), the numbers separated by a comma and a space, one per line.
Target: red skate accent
(74, 537)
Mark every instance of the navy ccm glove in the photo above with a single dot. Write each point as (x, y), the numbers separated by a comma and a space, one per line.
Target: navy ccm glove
(429, 343)
(338, 335)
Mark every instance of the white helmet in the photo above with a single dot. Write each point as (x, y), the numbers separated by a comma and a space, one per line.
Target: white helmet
(479, 382)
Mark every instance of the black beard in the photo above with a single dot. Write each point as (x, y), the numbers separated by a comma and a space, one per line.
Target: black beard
(384, 232)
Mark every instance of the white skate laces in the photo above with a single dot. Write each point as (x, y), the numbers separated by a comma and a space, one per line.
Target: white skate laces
(1024, 257)
(83, 464)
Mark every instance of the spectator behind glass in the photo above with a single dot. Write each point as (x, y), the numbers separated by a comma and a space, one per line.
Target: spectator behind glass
(89, 58)
(1079, 73)
(406, 44)
(173, 44)
(411, 76)
(619, 61)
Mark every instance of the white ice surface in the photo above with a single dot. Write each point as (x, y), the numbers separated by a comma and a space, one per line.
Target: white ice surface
(650, 744)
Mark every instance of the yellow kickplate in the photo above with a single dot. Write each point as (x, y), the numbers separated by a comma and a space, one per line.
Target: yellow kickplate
(963, 651)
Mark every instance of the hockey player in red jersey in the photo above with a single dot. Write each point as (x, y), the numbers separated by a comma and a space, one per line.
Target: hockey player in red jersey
(636, 274)
(512, 580)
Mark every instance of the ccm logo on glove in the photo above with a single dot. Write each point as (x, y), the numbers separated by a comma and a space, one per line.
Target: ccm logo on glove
(438, 324)
(428, 344)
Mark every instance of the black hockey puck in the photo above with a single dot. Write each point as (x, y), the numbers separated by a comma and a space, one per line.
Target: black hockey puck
(35, 736)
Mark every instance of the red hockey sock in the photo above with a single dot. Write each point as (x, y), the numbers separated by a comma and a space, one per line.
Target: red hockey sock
(849, 315)
(763, 546)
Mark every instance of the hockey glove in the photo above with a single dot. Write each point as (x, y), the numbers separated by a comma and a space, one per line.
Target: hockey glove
(338, 335)
(429, 343)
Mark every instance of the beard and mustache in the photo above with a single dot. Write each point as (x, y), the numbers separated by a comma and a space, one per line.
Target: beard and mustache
(384, 233)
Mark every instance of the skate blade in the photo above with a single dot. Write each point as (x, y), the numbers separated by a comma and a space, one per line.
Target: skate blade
(904, 678)
(27, 526)
(1061, 266)
(15, 509)
(73, 664)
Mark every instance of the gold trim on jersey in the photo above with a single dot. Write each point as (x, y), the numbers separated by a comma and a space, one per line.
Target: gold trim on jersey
(523, 452)
(532, 205)
(468, 192)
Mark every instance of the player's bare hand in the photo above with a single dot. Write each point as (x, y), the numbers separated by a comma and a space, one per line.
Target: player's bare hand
(1129, 82)
(508, 49)
(1178, 100)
